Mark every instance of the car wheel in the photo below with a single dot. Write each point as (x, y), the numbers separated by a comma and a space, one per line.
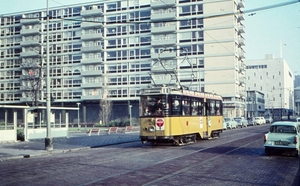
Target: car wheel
(297, 153)
(268, 151)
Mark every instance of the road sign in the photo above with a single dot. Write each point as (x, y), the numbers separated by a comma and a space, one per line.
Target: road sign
(160, 122)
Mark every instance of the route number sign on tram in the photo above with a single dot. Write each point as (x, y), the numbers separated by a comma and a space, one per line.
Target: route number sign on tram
(160, 124)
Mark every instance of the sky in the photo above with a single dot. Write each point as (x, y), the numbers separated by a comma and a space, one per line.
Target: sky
(269, 31)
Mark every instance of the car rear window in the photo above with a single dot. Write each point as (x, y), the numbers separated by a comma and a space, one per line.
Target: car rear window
(283, 129)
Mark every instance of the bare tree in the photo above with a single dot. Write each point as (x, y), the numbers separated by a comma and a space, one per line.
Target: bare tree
(105, 110)
(32, 82)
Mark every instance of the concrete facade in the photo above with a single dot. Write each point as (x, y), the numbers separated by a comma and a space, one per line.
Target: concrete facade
(273, 77)
(297, 100)
(255, 104)
(107, 49)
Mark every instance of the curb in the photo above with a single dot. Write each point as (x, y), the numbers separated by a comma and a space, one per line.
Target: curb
(43, 153)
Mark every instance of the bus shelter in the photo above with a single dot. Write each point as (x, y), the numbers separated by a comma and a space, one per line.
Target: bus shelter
(34, 122)
(8, 123)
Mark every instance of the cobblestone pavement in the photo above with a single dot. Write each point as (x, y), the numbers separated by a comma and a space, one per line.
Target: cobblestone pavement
(76, 141)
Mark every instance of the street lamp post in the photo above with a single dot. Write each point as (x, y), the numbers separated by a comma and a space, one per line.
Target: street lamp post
(130, 123)
(281, 106)
(78, 119)
(48, 139)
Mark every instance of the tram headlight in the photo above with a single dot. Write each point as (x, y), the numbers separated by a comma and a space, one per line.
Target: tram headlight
(151, 129)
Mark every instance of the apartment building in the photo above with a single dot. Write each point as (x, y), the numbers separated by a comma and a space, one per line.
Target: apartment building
(112, 49)
(274, 78)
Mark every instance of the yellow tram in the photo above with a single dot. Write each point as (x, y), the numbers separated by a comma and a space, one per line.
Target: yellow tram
(179, 116)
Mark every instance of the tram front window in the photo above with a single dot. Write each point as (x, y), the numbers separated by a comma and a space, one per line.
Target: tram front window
(153, 106)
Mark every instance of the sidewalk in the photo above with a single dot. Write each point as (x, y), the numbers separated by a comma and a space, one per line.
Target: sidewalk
(76, 141)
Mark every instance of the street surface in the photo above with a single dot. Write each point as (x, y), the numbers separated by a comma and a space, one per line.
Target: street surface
(236, 158)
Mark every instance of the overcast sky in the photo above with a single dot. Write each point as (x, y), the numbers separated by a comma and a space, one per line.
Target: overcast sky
(266, 31)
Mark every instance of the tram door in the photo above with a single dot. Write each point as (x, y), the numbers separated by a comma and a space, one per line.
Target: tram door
(207, 119)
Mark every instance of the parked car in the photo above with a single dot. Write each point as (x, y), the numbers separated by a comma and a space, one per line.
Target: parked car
(242, 122)
(259, 120)
(283, 136)
(224, 125)
(230, 123)
(298, 120)
(269, 119)
(251, 121)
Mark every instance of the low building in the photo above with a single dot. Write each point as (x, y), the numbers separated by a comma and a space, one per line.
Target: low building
(255, 104)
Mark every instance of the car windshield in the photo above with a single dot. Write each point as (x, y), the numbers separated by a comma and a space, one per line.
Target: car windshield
(227, 119)
(283, 129)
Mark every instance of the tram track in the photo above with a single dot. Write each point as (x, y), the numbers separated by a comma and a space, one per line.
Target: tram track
(117, 178)
(141, 164)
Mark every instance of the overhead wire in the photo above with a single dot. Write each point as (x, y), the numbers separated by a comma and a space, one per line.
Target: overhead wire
(251, 11)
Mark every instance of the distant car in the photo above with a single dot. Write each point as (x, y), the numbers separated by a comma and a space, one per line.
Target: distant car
(284, 136)
(230, 123)
(251, 121)
(224, 125)
(259, 120)
(242, 122)
(269, 119)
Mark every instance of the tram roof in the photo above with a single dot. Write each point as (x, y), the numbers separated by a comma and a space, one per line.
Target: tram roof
(169, 90)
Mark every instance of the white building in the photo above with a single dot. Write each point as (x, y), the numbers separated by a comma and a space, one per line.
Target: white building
(106, 50)
(273, 77)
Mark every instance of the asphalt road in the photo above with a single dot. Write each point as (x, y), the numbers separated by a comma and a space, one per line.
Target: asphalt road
(236, 158)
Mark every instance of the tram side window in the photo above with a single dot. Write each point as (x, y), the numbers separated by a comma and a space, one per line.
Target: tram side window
(211, 107)
(176, 105)
(197, 106)
(194, 105)
(186, 106)
(218, 108)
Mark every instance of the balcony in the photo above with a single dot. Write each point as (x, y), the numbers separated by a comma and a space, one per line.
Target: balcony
(91, 12)
(30, 54)
(164, 55)
(91, 24)
(240, 17)
(164, 29)
(168, 81)
(241, 55)
(91, 97)
(31, 21)
(26, 88)
(34, 76)
(92, 60)
(241, 41)
(92, 36)
(26, 99)
(164, 16)
(241, 29)
(161, 4)
(29, 65)
(242, 80)
(92, 48)
(164, 42)
(33, 31)
(91, 85)
(91, 72)
(30, 43)
(165, 69)
(240, 3)
(241, 68)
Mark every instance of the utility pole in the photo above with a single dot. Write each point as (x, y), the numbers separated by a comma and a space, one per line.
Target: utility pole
(48, 139)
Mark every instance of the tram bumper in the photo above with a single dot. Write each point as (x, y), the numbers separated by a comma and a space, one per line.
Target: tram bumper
(156, 138)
